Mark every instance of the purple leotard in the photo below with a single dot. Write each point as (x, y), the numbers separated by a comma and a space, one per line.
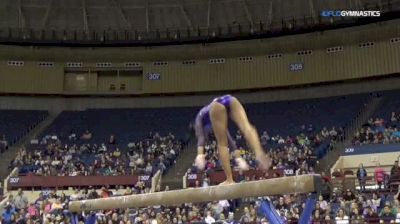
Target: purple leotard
(203, 125)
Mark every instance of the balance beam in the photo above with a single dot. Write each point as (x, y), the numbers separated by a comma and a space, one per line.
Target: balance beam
(275, 186)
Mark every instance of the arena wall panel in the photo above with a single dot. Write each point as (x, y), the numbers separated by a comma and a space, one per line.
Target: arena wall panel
(73, 102)
(202, 75)
(354, 62)
(31, 78)
(370, 161)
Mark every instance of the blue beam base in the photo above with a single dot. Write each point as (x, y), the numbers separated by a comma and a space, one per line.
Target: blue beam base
(307, 212)
(269, 211)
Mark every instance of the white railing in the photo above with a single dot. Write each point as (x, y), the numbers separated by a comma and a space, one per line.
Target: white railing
(13, 173)
(155, 182)
(337, 165)
(184, 180)
(6, 193)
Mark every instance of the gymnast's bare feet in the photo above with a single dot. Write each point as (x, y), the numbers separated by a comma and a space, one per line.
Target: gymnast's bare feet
(264, 162)
(227, 182)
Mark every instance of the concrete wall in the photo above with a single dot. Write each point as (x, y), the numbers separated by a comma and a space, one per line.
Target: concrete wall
(71, 102)
(370, 161)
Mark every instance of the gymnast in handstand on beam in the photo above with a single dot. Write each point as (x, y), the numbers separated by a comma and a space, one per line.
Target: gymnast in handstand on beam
(214, 117)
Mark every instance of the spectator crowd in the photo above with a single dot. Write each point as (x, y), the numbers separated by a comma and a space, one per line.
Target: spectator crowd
(379, 131)
(52, 157)
(296, 152)
(331, 206)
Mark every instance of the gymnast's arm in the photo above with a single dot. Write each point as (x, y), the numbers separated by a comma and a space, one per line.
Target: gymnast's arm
(231, 142)
(241, 163)
(201, 141)
(201, 138)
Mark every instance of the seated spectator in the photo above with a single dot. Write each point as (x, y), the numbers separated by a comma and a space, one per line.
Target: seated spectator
(76, 195)
(149, 168)
(387, 215)
(325, 190)
(394, 117)
(356, 217)
(72, 137)
(323, 204)
(209, 218)
(33, 211)
(117, 153)
(291, 218)
(87, 135)
(317, 218)
(265, 138)
(46, 206)
(349, 196)
(333, 133)
(324, 132)
(395, 170)
(376, 200)
(231, 219)
(281, 204)
(341, 217)
(370, 215)
(3, 143)
(56, 205)
(105, 193)
(112, 140)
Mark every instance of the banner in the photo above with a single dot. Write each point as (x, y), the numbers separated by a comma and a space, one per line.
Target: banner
(371, 148)
(289, 171)
(75, 181)
(192, 176)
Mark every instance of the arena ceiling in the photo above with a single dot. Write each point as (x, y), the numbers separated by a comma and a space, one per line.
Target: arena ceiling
(150, 15)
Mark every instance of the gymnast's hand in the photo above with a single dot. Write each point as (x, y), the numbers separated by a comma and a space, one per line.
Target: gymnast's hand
(242, 164)
(264, 162)
(200, 161)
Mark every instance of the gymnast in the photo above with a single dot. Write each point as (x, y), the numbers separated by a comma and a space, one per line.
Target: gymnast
(214, 118)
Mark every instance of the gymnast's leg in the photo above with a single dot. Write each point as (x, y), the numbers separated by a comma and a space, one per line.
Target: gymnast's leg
(238, 115)
(219, 120)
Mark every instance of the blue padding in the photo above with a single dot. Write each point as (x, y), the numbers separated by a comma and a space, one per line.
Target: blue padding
(74, 219)
(269, 211)
(307, 212)
(91, 219)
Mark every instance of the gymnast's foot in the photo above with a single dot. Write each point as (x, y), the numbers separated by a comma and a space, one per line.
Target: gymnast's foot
(264, 163)
(227, 182)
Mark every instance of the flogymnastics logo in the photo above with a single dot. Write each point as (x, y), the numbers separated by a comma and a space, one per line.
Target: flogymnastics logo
(350, 13)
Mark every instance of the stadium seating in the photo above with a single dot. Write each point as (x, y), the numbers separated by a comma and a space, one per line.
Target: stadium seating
(14, 124)
(391, 103)
(289, 118)
(292, 118)
(283, 118)
(286, 118)
(127, 124)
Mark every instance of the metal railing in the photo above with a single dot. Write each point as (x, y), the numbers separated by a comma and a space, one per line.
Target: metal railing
(115, 36)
